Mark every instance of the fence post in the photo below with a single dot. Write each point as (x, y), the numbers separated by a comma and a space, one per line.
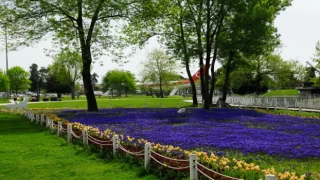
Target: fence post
(32, 116)
(50, 125)
(115, 140)
(47, 122)
(42, 119)
(270, 177)
(59, 128)
(69, 129)
(300, 112)
(193, 167)
(37, 118)
(147, 153)
(85, 137)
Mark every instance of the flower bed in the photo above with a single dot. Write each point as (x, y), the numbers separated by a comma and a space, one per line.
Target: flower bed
(233, 129)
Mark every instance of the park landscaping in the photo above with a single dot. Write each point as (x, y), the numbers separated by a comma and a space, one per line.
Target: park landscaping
(238, 142)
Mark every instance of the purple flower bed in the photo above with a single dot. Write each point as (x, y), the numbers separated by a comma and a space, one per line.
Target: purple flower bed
(233, 129)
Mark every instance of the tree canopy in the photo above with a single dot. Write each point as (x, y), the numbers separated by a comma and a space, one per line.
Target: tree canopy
(4, 82)
(18, 78)
(119, 80)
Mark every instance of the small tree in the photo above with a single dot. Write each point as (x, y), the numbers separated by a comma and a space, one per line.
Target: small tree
(119, 80)
(67, 67)
(158, 69)
(4, 82)
(18, 78)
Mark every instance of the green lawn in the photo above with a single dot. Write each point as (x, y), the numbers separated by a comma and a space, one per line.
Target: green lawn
(28, 151)
(286, 92)
(106, 102)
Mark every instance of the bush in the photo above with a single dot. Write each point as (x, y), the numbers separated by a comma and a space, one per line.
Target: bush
(45, 99)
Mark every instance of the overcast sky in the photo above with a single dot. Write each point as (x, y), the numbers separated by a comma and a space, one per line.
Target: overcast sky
(298, 25)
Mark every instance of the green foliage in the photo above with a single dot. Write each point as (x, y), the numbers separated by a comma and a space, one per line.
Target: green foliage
(18, 78)
(119, 80)
(4, 82)
(316, 80)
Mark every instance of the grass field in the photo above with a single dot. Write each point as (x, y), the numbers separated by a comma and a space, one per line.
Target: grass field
(30, 152)
(106, 102)
(286, 92)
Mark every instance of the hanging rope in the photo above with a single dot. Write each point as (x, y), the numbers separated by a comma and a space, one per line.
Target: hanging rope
(140, 153)
(181, 160)
(98, 143)
(98, 140)
(171, 167)
(215, 172)
(76, 136)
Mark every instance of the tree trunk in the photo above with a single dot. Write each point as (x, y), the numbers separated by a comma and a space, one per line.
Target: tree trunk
(72, 91)
(187, 61)
(227, 76)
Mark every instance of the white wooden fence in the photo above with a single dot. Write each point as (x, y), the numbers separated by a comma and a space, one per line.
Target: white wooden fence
(284, 102)
(147, 152)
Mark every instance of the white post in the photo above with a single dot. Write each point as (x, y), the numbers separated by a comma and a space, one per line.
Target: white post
(270, 177)
(59, 128)
(115, 140)
(37, 118)
(85, 137)
(193, 167)
(287, 110)
(42, 119)
(239, 104)
(47, 122)
(52, 123)
(69, 129)
(147, 153)
(32, 116)
(300, 109)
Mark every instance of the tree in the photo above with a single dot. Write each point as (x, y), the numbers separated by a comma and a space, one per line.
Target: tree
(316, 58)
(94, 80)
(67, 67)
(158, 69)
(53, 80)
(120, 81)
(86, 25)
(4, 82)
(18, 78)
(37, 78)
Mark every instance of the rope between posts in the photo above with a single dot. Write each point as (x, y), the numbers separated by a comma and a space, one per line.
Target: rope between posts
(76, 136)
(132, 153)
(98, 140)
(216, 172)
(63, 129)
(181, 160)
(205, 174)
(176, 168)
(99, 143)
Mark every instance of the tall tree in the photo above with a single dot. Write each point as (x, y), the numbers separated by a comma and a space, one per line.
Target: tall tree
(119, 80)
(316, 58)
(159, 69)
(54, 84)
(37, 78)
(71, 62)
(18, 78)
(84, 22)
